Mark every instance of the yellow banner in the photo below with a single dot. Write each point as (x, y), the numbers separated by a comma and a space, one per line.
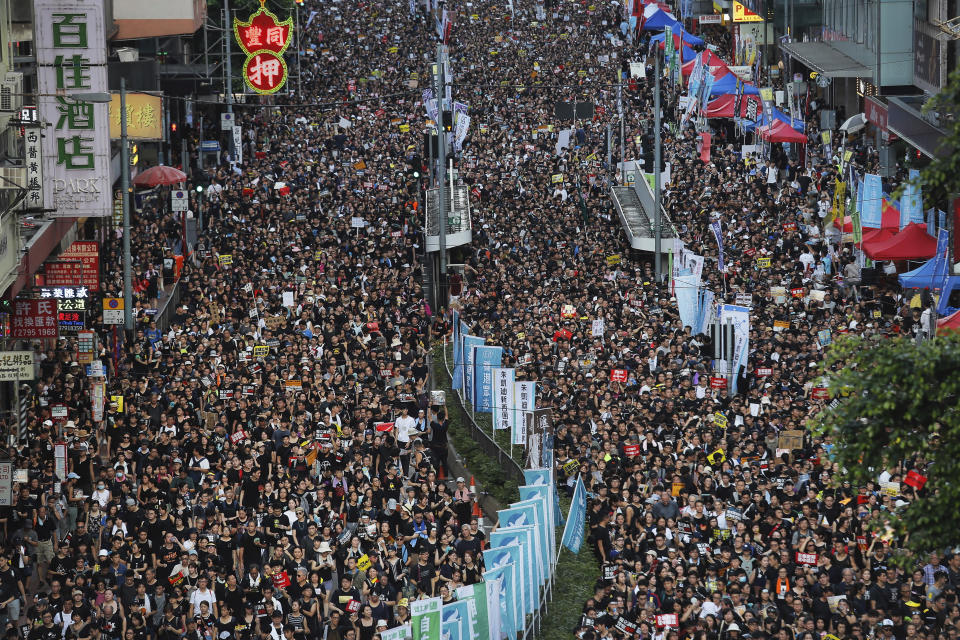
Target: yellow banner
(839, 202)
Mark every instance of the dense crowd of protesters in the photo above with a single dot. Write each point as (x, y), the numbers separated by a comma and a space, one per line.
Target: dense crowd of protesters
(274, 469)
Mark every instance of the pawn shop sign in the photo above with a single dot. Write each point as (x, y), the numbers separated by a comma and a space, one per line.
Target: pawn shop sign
(263, 32)
(264, 39)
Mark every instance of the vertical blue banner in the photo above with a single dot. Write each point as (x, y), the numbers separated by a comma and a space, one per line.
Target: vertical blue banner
(485, 358)
(506, 598)
(871, 215)
(469, 346)
(521, 514)
(512, 555)
(456, 380)
(542, 497)
(526, 538)
(457, 614)
(573, 533)
(911, 204)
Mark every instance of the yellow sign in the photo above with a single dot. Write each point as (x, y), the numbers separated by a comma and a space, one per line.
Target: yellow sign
(763, 263)
(613, 260)
(118, 401)
(716, 457)
(720, 420)
(261, 351)
(742, 14)
(144, 116)
(363, 562)
(404, 128)
(780, 325)
(226, 258)
(556, 178)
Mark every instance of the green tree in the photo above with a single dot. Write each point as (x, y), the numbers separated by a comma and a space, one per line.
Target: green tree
(896, 402)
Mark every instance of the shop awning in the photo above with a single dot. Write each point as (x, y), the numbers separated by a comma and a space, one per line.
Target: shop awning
(825, 58)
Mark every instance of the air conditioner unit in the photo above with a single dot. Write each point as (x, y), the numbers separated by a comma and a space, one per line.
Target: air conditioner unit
(11, 92)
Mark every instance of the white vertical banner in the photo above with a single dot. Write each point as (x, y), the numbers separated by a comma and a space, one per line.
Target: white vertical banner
(60, 460)
(6, 484)
(238, 143)
(503, 382)
(70, 45)
(525, 396)
(34, 164)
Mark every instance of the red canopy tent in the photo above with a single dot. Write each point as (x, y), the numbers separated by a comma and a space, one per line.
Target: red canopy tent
(725, 105)
(876, 237)
(780, 131)
(912, 243)
(717, 66)
(949, 323)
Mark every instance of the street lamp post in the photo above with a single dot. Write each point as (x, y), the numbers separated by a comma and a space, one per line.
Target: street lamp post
(106, 98)
(125, 201)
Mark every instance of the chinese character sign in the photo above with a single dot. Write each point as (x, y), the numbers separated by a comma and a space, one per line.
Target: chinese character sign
(34, 319)
(34, 165)
(264, 39)
(71, 59)
(144, 116)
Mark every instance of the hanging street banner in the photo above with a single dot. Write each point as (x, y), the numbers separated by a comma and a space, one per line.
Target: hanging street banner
(870, 203)
(70, 46)
(264, 38)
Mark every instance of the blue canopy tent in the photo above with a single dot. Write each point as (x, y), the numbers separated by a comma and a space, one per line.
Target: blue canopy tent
(688, 38)
(660, 20)
(728, 84)
(951, 285)
(929, 275)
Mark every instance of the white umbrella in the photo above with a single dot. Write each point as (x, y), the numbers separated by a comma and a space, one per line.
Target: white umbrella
(854, 123)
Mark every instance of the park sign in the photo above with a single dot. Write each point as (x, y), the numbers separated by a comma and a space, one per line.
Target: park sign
(264, 38)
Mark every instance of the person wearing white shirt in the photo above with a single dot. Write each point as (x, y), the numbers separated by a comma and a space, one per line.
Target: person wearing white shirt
(406, 428)
(203, 594)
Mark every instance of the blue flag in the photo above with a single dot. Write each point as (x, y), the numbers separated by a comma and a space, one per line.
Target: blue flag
(718, 234)
(576, 518)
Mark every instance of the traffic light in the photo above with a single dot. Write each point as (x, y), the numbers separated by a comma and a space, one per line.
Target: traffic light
(646, 152)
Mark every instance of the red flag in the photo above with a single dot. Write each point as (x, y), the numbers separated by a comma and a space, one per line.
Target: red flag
(705, 147)
(915, 480)
(383, 427)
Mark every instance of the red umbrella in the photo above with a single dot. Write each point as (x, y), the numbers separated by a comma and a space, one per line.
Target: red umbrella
(160, 174)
